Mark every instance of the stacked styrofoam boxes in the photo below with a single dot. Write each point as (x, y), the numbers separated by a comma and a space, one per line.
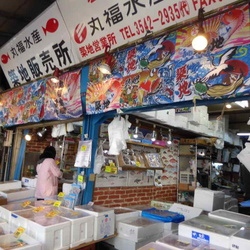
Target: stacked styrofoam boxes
(10, 185)
(29, 182)
(122, 213)
(181, 121)
(218, 126)
(24, 242)
(52, 231)
(82, 224)
(6, 210)
(173, 241)
(230, 217)
(208, 200)
(104, 221)
(193, 116)
(209, 230)
(166, 116)
(241, 240)
(18, 194)
(150, 115)
(137, 232)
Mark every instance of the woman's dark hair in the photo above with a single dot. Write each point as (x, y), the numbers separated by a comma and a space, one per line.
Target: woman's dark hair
(49, 152)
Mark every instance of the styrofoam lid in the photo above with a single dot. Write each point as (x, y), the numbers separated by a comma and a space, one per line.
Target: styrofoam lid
(139, 222)
(123, 210)
(95, 208)
(228, 215)
(218, 226)
(180, 242)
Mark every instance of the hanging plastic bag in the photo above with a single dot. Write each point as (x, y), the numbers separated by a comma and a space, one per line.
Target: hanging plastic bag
(99, 159)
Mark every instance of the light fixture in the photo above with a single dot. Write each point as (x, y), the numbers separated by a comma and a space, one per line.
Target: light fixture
(27, 137)
(153, 137)
(106, 66)
(200, 42)
(243, 134)
(42, 132)
(228, 106)
(243, 104)
(55, 76)
(136, 131)
(169, 142)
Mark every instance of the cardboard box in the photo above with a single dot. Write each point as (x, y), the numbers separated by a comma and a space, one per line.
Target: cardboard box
(183, 186)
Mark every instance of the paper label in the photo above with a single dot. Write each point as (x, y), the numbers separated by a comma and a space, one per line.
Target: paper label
(200, 236)
(61, 194)
(138, 164)
(52, 213)
(57, 204)
(38, 209)
(19, 232)
(25, 203)
(83, 148)
(80, 178)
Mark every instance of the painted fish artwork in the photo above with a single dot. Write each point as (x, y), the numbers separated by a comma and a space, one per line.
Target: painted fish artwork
(63, 99)
(23, 104)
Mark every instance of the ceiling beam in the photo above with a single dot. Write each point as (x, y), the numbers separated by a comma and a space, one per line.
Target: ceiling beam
(14, 16)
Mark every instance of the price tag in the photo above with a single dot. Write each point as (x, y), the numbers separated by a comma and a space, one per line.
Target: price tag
(61, 194)
(52, 213)
(57, 204)
(38, 209)
(108, 169)
(83, 148)
(138, 164)
(80, 178)
(25, 203)
(19, 232)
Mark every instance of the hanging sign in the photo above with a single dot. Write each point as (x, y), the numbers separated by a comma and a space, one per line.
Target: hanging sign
(37, 49)
(94, 25)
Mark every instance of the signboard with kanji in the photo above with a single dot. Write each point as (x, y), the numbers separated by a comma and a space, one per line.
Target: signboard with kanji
(94, 24)
(38, 49)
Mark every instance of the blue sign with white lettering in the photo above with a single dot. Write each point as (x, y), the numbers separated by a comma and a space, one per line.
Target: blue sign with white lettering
(201, 237)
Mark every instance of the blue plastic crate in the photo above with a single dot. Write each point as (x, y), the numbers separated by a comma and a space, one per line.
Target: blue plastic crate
(162, 215)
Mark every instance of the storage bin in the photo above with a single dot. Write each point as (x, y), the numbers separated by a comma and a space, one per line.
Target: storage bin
(173, 241)
(139, 229)
(18, 194)
(25, 242)
(230, 217)
(209, 230)
(104, 221)
(52, 232)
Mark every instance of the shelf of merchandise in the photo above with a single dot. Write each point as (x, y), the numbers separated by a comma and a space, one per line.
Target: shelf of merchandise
(145, 144)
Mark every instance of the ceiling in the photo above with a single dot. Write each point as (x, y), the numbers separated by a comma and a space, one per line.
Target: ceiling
(16, 14)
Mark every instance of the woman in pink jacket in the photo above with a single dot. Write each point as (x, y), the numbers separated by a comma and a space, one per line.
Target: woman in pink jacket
(47, 174)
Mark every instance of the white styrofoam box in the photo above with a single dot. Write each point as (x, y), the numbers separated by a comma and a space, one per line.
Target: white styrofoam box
(82, 225)
(209, 230)
(193, 116)
(181, 121)
(52, 232)
(139, 229)
(208, 200)
(125, 244)
(176, 242)
(29, 182)
(18, 194)
(165, 115)
(170, 226)
(149, 115)
(122, 213)
(24, 242)
(153, 245)
(230, 217)
(241, 240)
(6, 210)
(104, 221)
(187, 211)
(10, 185)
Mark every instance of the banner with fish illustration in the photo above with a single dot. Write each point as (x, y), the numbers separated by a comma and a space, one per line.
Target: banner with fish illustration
(222, 71)
(167, 69)
(23, 104)
(63, 99)
(38, 49)
(142, 75)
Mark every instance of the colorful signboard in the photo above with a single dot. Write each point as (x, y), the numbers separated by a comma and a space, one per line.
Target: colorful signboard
(93, 25)
(36, 50)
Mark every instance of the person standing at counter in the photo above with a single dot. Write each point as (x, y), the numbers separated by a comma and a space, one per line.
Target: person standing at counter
(47, 174)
